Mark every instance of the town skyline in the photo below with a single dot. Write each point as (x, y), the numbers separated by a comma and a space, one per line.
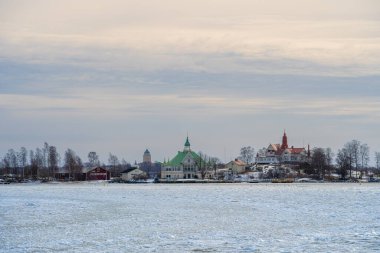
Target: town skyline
(104, 158)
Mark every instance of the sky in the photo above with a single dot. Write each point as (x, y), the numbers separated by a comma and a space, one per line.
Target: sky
(121, 76)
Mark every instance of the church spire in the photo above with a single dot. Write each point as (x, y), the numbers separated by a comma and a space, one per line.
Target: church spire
(284, 144)
(187, 144)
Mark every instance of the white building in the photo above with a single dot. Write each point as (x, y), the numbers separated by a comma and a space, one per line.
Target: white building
(132, 174)
(185, 165)
(236, 166)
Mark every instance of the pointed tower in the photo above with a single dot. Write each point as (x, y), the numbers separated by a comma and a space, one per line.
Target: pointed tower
(308, 150)
(284, 144)
(187, 145)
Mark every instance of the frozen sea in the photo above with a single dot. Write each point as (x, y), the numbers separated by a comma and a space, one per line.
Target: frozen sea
(99, 217)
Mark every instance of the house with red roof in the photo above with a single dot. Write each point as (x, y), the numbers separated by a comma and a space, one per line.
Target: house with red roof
(282, 153)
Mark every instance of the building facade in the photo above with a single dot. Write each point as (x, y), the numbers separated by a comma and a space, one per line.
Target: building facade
(133, 174)
(282, 153)
(185, 165)
(97, 173)
(236, 166)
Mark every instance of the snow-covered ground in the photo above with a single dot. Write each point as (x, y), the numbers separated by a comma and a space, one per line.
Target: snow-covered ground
(98, 217)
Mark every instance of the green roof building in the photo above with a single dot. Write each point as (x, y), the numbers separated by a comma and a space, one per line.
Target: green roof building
(185, 165)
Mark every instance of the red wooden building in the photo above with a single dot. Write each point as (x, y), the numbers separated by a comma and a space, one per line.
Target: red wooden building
(98, 173)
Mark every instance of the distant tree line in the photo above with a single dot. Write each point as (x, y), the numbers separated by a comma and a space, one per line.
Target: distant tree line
(353, 156)
(40, 163)
(45, 163)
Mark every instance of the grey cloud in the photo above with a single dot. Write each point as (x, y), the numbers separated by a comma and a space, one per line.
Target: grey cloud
(64, 80)
(105, 80)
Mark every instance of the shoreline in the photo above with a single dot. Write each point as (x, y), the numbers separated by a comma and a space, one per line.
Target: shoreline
(194, 182)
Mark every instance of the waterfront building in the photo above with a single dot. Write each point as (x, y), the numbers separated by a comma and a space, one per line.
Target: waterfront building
(185, 165)
(282, 153)
(85, 174)
(236, 166)
(133, 173)
(97, 173)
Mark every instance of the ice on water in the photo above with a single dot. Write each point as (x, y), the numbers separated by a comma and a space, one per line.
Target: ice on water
(98, 217)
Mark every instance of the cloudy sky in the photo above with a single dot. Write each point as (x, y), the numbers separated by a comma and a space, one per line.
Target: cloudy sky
(124, 75)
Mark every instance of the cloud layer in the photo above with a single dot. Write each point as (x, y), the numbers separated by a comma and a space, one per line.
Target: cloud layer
(107, 73)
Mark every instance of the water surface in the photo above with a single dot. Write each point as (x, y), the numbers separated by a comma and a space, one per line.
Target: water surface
(98, 217)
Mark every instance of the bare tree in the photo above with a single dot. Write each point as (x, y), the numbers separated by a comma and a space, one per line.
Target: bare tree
(352, 148)
(318, 161)
(78, 167)
(6, 165)
(329, 159)
(214, 161)
(114, 163)
(36, 163)
(377, 159)
(45, 152)
(93, 159)
(73, 164)
(22, 157)
(11, 160)
(364, 157)
(202, 164)
(2, 166)
(206, 165)
(33, 166)
(53, 160)
(247, 154)
(343, 161)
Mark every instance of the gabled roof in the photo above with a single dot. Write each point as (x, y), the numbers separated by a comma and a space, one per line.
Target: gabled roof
(275, 147)
(279, 151)
(238, 162)
(178, 159)
(296, 150)
(86, 170)
(129, 170)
